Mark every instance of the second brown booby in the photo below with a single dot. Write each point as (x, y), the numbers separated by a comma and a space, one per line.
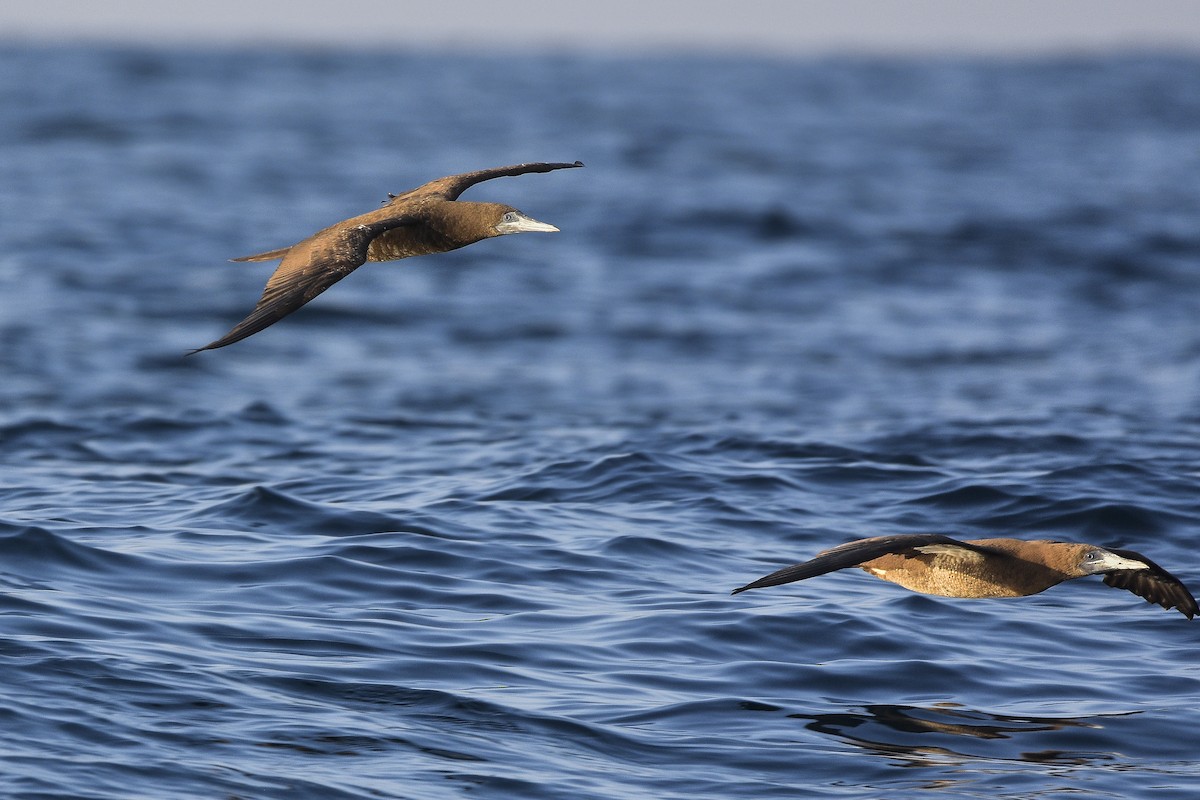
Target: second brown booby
(935, 564)
(425, 220)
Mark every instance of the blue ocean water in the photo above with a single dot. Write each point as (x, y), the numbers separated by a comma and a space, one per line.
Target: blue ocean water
(466, 525)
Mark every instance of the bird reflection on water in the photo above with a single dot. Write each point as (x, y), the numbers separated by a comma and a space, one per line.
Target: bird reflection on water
(891, 730)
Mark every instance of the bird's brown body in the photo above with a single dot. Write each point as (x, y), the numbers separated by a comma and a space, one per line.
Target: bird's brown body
(980, 568)
(426, 220)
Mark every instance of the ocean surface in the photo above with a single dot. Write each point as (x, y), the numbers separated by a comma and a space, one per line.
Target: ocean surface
(466, 526)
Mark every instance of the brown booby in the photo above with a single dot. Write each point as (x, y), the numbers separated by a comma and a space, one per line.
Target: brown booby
(419, 222)
(935, 564)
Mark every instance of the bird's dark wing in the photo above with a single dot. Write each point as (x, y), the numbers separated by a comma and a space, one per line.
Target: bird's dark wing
(1154, 584)
(308, 269)
(854, 553)
(452, 186)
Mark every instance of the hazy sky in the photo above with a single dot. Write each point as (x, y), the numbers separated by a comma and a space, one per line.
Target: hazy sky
(778, 26)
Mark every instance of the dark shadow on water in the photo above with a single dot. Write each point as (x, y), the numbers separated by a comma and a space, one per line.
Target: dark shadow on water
(916, 736)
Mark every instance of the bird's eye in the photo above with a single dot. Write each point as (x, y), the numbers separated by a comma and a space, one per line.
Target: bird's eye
(1091, 556)
(510, 216)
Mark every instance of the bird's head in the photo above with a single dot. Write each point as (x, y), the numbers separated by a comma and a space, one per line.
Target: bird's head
(509, 220)
(1094, 560)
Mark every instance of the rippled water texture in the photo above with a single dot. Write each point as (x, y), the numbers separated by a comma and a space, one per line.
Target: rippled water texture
(466, 526)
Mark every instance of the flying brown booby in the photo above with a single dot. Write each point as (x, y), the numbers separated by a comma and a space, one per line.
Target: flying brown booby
(425, 220)
(935, 564)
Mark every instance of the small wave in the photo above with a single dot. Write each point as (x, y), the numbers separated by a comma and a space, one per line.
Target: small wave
(974, 497)
(37, 550)
(631, 477)
(264, 506)
(80, 128)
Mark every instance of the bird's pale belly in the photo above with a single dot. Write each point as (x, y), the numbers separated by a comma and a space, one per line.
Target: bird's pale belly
(944, 583)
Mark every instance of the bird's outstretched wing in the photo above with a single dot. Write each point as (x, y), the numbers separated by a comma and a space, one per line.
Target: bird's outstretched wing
(1154, 584)
(307, 269)
(854, 553)
(450, 187)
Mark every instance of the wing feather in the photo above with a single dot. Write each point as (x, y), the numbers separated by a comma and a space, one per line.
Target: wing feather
(854, 553)
(1154, 584)
(452, 186)
(308, 269)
